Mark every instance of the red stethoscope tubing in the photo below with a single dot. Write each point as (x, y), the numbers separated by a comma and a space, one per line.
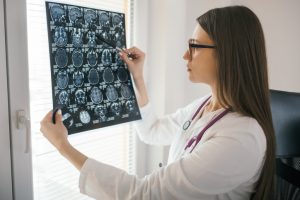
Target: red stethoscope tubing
(201, 133)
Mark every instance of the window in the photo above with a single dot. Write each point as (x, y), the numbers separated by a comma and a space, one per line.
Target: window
(53, 176)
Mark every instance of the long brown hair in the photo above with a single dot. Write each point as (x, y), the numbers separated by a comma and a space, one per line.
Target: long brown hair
(243, 76)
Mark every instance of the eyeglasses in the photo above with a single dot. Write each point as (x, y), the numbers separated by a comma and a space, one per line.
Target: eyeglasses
(193, 45)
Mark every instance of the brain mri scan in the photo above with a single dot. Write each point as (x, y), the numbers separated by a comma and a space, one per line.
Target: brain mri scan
(60, 36)
(91, 36)
(92, 58)
(122, 74)
(118, 37)
(90, 15)
(61, 58)
(105, 35)
(63, 98)
(90, 82)
(125, 92)
(77, 58)
(84, 117)
(74, 14)
(106, 57)
(115, 109)
(117, 20)
(80, 97)
(96, 95)
(62, 79)
(78, 78)
(130, 106)
(101, 113)
(108, 75)
(57, 12)
(104, 19)
(93, 77)
(77, 37)
(111, 93)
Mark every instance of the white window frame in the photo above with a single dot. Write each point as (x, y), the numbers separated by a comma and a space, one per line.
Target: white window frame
(5, 169)
(16, 38)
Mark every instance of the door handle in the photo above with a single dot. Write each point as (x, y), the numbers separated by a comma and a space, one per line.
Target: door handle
(24, 122)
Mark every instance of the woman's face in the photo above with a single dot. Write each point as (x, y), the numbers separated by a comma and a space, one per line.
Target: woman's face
(201, 66)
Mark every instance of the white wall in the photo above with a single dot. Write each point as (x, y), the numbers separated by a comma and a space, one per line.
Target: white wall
(280, 21)
(162, 40)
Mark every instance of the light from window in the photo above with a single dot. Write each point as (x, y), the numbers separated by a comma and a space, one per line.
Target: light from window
(54, 178)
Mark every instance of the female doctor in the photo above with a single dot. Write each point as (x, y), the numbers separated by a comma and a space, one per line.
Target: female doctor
(222, 145)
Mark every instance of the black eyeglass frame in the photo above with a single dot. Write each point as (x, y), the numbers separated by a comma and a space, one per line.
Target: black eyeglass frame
(198, 46)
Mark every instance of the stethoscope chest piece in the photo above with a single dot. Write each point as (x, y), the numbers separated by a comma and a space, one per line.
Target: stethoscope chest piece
(186, 125)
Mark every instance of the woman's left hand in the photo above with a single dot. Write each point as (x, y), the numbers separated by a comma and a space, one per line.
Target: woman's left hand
(56, 133)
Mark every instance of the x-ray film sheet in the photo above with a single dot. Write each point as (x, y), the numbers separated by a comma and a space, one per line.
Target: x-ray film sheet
(90, 82)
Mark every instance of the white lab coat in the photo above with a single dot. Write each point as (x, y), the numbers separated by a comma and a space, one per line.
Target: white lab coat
(225, 164)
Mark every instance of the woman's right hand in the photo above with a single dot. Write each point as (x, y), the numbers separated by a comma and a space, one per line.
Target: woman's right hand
(136, 63)
(135, 66)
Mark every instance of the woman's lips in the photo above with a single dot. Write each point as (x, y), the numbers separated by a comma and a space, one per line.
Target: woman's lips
(188, 69)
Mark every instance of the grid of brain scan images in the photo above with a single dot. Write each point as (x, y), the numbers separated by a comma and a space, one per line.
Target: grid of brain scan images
(90, 83)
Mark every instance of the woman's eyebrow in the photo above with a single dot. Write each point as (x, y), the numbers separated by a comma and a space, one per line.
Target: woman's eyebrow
(198, 41)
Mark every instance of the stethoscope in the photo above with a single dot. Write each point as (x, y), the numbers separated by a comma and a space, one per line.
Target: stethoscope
(196, 139)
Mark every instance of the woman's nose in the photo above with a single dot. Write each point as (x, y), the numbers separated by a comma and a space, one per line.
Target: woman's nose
(186, 55)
